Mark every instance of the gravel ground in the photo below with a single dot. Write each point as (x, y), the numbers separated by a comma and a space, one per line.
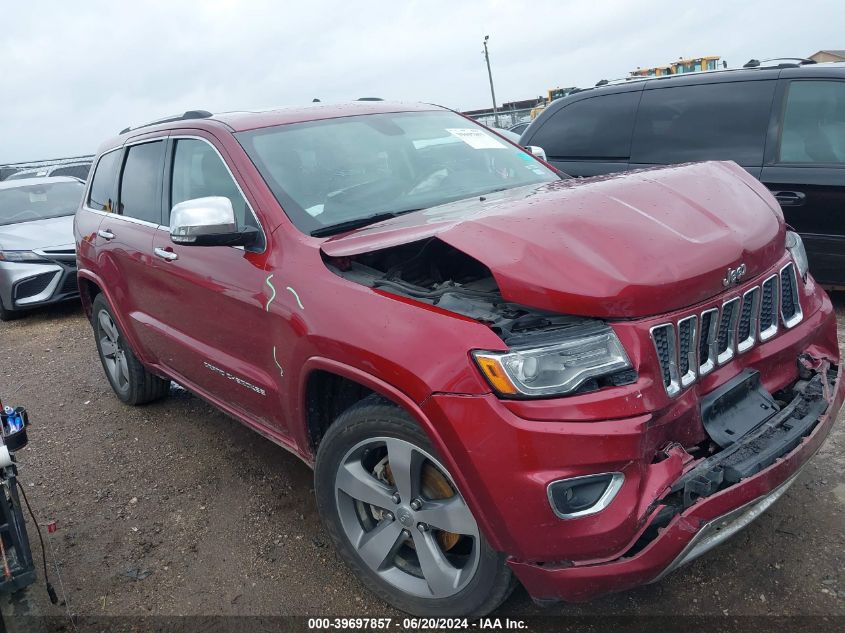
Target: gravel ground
(175, 509)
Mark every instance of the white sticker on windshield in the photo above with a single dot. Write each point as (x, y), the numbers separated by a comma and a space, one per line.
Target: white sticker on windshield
(476, 139)
(37, 197)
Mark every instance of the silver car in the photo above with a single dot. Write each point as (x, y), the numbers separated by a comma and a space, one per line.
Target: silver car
(76, 170)
(37, 252)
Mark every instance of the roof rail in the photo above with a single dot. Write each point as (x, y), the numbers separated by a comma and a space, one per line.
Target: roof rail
(756, 63)
(621, 80)
(190, 114)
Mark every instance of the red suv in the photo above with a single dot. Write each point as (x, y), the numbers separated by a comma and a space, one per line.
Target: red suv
(497, 373)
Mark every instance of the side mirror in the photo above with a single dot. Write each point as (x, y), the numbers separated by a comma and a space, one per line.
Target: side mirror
(539, 152)
(208, 222)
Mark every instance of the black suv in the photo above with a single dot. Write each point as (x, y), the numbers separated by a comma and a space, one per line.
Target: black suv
(784, 124)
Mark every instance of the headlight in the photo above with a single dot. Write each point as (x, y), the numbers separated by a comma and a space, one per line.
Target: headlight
(795, 246)
(19, 256)
(582, 352)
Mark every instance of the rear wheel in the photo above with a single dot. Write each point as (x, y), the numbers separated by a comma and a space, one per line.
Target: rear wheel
(131, 382)
(397, 518)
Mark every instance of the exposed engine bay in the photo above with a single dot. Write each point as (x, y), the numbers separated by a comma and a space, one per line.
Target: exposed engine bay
(433, 272)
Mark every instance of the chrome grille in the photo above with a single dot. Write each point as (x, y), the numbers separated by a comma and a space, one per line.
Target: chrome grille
(769, 309)
(664, 343)
(727, 331)
(708, 340)
(686, 351)
(790, 308)
(749, 315)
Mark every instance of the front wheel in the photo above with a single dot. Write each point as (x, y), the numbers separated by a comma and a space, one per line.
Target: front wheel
(8, 315)
(398, 519)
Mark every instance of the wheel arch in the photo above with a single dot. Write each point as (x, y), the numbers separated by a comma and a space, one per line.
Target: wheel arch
(388, 391)
(90, 285)
(89, 288)
(319, 372)
(316, 366)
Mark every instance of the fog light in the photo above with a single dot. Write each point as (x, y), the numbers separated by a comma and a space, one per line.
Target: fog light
(582, 496)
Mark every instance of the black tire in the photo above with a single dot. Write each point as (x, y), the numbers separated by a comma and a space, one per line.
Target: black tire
(487, 586)
(9, 315)
(22, 613)
(134, 385)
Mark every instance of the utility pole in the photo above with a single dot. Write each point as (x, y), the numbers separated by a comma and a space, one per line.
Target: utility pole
(490, 76)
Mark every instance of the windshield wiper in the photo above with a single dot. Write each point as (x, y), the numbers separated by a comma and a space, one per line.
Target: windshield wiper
(357, 223)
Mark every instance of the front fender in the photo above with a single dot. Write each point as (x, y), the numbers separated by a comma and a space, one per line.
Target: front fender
(435, 434)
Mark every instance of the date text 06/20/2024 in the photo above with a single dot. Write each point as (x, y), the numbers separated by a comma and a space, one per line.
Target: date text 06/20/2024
(487, 624)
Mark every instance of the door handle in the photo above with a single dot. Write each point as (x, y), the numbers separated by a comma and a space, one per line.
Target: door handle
(790, 198)
(168, 255)
(106, 235)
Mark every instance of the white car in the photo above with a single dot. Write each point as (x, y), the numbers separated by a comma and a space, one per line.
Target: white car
(37, 251)
(75, 170)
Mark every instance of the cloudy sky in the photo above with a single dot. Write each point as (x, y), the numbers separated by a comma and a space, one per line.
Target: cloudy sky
(74, 73)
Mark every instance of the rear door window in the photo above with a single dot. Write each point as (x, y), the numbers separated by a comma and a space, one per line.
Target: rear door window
(814, 123)
(724, 121)
(597, 128)
(140, 183)
(101, 195)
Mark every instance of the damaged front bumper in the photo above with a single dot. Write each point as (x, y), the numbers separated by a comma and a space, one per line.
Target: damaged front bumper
(715, 497)
(715, 532)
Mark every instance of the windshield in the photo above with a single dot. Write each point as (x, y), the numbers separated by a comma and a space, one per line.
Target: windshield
(336, 174)
(38, 202)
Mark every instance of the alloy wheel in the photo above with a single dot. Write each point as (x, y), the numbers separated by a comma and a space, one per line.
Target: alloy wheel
(111, 347)
(405, 518)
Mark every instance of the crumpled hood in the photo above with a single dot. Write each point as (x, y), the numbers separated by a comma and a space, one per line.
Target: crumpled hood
(27, 236)
(624, 245)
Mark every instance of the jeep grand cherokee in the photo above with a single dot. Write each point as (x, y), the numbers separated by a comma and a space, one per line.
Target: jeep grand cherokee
(496, 373)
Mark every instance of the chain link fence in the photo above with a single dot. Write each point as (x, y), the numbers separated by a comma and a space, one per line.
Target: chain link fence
(506, 118)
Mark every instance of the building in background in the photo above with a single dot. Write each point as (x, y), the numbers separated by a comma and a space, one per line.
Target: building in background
(829, 56)
(683, 65)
